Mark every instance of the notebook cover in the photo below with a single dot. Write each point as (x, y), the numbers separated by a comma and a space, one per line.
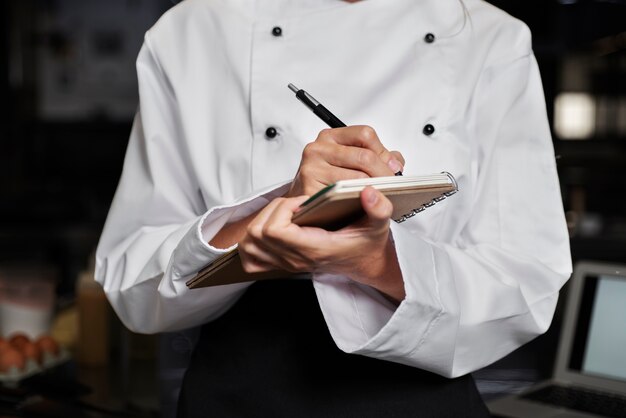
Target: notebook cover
(332, 210)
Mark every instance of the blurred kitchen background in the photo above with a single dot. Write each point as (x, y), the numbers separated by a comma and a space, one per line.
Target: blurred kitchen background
(68, 87)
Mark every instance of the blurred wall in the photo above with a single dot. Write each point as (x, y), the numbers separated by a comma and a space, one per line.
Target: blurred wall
(69, 84)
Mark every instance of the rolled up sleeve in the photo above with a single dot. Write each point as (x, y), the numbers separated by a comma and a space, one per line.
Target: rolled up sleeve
(476, 295)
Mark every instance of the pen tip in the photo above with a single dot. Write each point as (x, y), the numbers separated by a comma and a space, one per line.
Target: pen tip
(293, 88)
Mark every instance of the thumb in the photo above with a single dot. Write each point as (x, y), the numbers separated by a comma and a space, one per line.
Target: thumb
(377, 207)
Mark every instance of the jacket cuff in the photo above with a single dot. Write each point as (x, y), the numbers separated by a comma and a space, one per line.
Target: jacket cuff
(194, 251)
(362, 321)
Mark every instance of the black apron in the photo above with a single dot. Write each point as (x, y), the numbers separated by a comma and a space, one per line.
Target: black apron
(271, 355)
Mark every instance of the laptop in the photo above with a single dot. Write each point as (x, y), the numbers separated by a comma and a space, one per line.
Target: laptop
(589, 378)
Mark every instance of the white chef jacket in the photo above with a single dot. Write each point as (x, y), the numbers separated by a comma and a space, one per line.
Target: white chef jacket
(481, 270)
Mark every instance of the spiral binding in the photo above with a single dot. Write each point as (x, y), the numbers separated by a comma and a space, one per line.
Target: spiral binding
(432, 202)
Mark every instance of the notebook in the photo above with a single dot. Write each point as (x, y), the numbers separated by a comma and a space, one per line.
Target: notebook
(589, 378)
(334, 207)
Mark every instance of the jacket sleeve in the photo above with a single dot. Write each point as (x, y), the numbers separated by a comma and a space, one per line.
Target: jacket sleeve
(155, 237)
(491, 285)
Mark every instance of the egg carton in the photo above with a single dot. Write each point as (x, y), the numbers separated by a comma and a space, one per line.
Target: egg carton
(14, 375)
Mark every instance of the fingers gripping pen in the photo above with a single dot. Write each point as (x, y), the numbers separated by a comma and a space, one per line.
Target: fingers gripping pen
(319, 109)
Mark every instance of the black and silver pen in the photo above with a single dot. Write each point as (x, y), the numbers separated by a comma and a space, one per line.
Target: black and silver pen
(319, 109)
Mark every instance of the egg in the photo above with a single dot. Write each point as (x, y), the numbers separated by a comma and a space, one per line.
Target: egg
(3, 344)
(18, 340)
(47, 344)
(31, 351)
(11, 357)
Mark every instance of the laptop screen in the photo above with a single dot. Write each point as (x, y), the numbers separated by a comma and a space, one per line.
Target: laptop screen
(600, 338)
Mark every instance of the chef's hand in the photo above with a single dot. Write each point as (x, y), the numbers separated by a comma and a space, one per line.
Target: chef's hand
(336, 154)
(361, 251)
(343, 153)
